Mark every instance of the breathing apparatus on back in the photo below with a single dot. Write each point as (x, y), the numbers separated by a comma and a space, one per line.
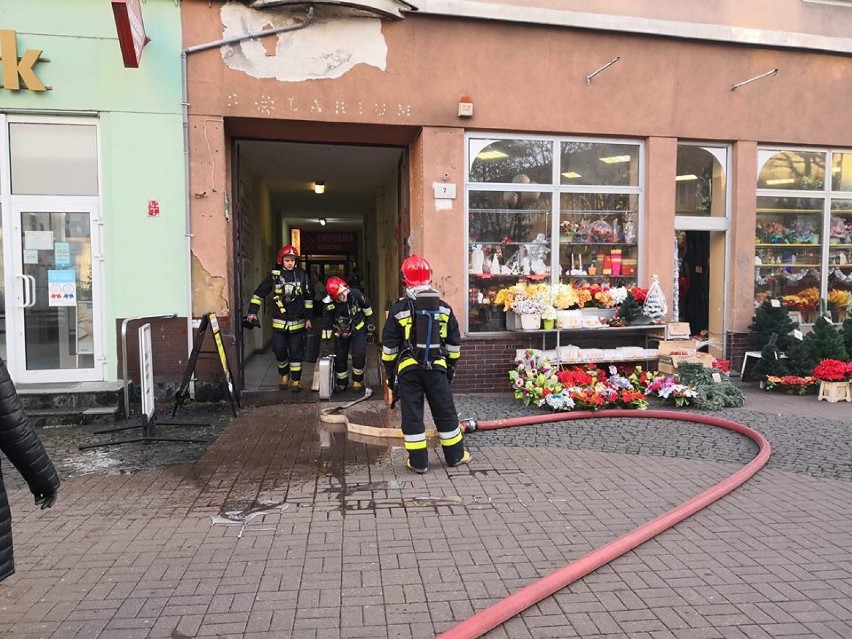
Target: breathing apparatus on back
(424, 302)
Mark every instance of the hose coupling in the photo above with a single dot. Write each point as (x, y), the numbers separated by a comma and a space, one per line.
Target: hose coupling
(468, 425)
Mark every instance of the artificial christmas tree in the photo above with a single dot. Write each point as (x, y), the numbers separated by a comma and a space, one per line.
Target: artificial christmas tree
(769, 320)
(655, 302)
(771, 362)
(824, 342)
(629, 309)
(846, 333)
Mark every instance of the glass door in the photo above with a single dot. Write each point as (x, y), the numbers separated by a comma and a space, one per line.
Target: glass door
(56, 249)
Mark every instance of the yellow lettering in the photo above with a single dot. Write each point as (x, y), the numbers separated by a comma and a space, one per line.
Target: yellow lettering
(17, 69)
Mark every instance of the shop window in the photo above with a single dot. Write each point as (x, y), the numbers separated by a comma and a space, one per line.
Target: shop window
(701, 181)
(803, 243)
(54, 159)
(533, 219)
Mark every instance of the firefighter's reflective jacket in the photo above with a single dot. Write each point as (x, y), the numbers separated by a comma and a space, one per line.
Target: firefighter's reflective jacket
(421, 332)
(341, 319)
(291, 298)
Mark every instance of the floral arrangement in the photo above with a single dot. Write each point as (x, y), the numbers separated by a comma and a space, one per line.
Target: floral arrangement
(569, 227)
(798, 385)
(639, 294)
(535, 381)
(833, 370)
(840, 298)
(770, 233)
(529, 305)
(601, 231)
(805, 301)
(565, 296)
(549, 312)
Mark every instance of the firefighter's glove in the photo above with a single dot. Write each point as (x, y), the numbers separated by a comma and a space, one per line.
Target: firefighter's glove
(451, 373)
(251, 321)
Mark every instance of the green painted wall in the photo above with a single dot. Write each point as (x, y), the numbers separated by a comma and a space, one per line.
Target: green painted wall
(145, 268)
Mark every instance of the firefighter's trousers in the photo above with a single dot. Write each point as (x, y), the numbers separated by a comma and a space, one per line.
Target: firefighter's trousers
(356, 343)
(415, 384)
(289, 348)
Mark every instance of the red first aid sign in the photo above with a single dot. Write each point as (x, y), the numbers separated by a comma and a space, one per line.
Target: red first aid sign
(153, 208)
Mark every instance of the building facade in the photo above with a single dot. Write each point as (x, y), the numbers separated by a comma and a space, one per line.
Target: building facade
(676, 132)
(92, 187)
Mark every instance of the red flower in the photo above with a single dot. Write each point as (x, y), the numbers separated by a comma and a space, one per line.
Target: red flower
(832, 370)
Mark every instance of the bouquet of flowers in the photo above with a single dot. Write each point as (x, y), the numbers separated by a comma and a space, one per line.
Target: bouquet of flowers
(806, 301)
(529, 305)
(549, 312)
(639, 294)
(533, 379)
(790, 383)
(833, 370)
(569, 227)
(565, 296)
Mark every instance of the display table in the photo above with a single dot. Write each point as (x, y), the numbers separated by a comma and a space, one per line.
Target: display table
(647, 332)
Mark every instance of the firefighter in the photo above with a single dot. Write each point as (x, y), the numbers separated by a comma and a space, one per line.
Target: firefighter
(421, 345)
(346, 317)
(292, 304)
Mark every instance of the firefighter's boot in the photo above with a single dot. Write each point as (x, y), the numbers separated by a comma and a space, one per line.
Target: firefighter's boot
(296, 386)
(357, 385)
(284, 382)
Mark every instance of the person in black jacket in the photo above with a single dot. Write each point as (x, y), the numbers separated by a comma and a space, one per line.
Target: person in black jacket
(293, 303)
(20, 444)
(421, 345)
(346, 316)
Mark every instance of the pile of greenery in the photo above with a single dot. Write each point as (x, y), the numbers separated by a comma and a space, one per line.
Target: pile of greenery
(710, 394)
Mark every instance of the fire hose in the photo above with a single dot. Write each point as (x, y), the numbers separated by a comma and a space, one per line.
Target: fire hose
(505, 609)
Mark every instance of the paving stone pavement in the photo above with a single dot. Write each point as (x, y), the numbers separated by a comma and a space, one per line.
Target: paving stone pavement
(353, 546)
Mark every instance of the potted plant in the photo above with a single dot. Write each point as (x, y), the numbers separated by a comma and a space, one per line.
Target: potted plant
(834, 380)
(568, 229)
(530, 310)
(548, 317)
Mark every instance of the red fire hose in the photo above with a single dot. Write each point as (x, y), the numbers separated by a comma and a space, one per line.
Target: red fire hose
(497, 613)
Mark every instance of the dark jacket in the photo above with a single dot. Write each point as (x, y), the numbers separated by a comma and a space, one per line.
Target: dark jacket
(400, 343)
(291, 297)
(19, 442)
(344, 318)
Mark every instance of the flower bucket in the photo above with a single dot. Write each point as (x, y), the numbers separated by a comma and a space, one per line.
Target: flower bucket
(530, 322)
(603, 314)
(548, 324)
(569, 319)
(835, 391)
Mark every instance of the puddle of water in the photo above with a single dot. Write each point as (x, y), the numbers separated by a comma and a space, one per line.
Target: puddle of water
(244, 516)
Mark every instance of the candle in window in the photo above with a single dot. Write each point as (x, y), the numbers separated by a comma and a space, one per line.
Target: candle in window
(581, 263)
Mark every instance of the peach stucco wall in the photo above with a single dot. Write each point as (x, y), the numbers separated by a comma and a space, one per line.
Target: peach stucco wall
(528, 79)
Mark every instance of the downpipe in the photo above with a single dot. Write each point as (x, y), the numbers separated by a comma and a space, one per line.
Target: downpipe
(505, 609)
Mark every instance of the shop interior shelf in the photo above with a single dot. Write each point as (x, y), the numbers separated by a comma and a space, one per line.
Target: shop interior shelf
(781, 246)
(773, 211)
(600, 212)
(593, 243)
(787, 265)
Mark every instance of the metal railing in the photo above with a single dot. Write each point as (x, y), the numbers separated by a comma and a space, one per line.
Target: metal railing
(124, 324)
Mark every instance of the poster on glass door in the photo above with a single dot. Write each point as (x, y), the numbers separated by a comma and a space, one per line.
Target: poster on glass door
(62, 287)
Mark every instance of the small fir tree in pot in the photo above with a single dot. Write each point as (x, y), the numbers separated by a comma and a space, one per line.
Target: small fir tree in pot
(769, 320)
(824, 342)
(771, 362)
(629, 310)
(846, 333)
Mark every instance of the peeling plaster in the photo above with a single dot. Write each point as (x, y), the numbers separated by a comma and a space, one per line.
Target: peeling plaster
(208, 291)
(324, 49)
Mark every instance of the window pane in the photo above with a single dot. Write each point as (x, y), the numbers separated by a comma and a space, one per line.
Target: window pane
(841, 172)
(597, 237)
(594, 163)
(509, 239)
(54, 159)
(788, 251)
(840, 259)
(794, 170)
(511, 161)
(700, 181)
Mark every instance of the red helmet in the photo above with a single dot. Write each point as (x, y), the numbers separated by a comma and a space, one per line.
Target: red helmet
(287, 251)
(335, 286)
(415, 271)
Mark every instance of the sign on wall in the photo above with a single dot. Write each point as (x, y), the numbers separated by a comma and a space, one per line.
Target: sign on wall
(131, 30)
(329, 243)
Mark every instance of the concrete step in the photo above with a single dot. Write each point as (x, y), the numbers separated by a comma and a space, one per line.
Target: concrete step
(57, 417)
(74, 398)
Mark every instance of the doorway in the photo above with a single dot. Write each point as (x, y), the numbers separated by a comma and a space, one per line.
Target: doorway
(350, 227)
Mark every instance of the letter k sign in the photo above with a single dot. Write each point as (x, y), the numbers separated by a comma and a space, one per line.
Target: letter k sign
(15, 70)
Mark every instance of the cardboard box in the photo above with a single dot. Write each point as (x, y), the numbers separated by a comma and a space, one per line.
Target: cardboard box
(677, 330)
(676, 352)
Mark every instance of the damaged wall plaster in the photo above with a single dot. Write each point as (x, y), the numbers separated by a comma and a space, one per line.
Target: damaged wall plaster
(326, 48)
(208, 291)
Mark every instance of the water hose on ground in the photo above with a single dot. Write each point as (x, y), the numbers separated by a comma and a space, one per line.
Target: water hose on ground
(503, 610)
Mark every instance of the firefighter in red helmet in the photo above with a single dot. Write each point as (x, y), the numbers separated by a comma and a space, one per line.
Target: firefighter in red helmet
(347, 316)
(292, 304)
(421, 345)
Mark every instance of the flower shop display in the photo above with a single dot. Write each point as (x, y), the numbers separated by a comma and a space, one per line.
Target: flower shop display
(791, 384)
(835, 380)
(536, 382)
(548, 317)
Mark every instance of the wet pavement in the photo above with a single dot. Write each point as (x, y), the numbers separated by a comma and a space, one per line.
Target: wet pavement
(286, 527)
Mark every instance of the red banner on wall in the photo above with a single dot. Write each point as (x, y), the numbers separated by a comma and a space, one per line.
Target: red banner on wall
(329, 243)
(131, 30)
